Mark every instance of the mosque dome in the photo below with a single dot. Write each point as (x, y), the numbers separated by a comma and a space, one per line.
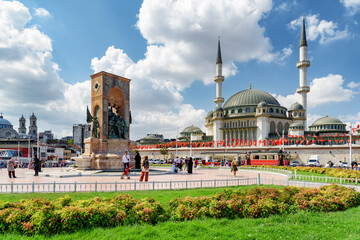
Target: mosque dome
(296, 106)
(326, 121)
(250, 97)
(191, 129)
(5, 123)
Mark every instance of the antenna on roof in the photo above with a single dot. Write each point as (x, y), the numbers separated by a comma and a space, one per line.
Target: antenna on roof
(250, 86)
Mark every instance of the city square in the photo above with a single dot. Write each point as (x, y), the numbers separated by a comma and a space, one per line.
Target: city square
(179, 119)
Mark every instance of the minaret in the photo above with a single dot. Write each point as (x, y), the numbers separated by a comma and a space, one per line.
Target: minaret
(302, 65)
(219, 78)
(218, 114)
(22, 128)
(32, 126)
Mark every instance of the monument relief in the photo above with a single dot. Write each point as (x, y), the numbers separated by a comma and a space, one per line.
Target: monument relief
(110, 119)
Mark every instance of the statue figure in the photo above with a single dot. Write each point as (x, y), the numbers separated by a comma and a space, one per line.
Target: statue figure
(124, 128)
(95, 132)
(112, 128)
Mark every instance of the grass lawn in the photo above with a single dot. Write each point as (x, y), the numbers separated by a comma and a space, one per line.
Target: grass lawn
(304, 225)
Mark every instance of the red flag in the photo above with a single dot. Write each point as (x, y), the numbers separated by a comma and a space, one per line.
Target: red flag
(245, 142)
(250, 143)
(302, 141)
(297, 141)
(307, 142)
(242, 143)
(254, 142)
(237, 142)
(264, 142)
(312, 141)
(336, 141)
(303, 137)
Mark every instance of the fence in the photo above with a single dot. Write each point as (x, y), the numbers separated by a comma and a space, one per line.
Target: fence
(121, 186)
(273, 170)
(325, 179)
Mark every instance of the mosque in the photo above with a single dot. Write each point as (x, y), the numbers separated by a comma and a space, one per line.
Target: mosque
(255, 116)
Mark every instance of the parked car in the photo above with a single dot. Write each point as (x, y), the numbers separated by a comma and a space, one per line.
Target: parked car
(151, 161)
(295, 163)
(313, 163)
(158, 161)
(344, 165)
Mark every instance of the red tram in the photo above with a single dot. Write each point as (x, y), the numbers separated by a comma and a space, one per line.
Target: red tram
(277, 158)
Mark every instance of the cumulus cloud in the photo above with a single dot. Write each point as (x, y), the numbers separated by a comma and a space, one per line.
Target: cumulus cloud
(352, 6)
(325, 31)
(30, 80)
(41, 12)
(182, 43)
(286, 6)
(335, 91)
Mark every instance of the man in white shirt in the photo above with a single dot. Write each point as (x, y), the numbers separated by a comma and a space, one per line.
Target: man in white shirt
(126, 162)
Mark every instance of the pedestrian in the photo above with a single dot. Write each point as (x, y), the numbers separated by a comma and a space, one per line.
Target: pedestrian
(137, 161)
(180, 164)
(126, 163)
(186, 163)
(11, 168)
(196, 163)
(190, 165)
(145, 170)
(36, 166)
(234, 168)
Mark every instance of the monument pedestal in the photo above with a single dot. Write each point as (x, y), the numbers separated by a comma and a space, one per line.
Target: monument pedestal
(105, 154)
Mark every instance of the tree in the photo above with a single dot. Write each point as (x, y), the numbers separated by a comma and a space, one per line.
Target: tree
(164, 151)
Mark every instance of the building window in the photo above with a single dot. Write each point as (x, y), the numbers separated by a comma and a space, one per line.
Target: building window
(247, 110)
(271, 110)
(240, 110)
(277, 110)
(263, 110)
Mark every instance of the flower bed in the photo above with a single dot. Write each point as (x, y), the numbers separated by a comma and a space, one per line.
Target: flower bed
(41, 216)
(333, 172)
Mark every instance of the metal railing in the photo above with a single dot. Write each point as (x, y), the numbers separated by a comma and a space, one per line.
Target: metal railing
(324, 179)
(121, 186)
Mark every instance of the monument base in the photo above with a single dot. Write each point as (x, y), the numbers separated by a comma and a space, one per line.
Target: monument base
(105, 154)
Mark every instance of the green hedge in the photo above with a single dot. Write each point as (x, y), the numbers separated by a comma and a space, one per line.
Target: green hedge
(41, 216)
(333, 172)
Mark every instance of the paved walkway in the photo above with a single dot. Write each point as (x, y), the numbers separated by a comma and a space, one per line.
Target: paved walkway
(49, 175)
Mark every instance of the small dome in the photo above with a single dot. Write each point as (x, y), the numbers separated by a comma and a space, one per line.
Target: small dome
(296, 106)
(326, 121)
(218, 109)
(191, 129)
(151, 137)
(210, 114)
(296, 124)
(262, 104)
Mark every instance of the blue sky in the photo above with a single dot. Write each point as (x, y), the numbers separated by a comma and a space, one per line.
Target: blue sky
(168, 49)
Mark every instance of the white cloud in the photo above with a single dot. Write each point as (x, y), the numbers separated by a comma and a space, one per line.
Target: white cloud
(29, 77)
(286, 5)
(352, 6)
(325, 31)
(335, 91)
(181, 37)
(41, 12)
(353, 85)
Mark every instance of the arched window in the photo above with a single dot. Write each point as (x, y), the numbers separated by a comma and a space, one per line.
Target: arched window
(233, 111)
(286, 127)
(277, 110)
(247, 110)
(271, 110)
(280, 127)
(272, 127)
(240, 110)
(295, 114)
(263, 110)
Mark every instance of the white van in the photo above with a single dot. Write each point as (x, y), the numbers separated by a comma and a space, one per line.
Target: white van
(314, 161)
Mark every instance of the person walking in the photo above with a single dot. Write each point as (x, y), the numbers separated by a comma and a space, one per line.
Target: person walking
(36, 166)
(145, 170)
(126, 163)
(234, 168)
(190, 165)
(137, 161)
(11, 167)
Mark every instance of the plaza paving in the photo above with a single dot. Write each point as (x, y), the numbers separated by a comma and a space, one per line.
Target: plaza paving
(49, 175)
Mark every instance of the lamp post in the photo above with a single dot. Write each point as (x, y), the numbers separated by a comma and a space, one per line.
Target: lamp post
(350, 153)
(177, 129)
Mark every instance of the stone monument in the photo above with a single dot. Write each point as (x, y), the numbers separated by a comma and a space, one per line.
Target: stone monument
(110, 120)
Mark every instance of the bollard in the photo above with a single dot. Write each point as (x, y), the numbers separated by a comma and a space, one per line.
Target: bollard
(153, 185)
(33, 187)
(170, 184)
(214, 182)
(134, 185)
(54, 186)
(12, 187)
(75, 186)
(95, 186)
(115, 186)
(258, 180)
(201, 183)
(186, 184)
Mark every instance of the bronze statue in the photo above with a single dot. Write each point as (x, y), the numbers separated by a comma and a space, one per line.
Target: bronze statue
(95, 132)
